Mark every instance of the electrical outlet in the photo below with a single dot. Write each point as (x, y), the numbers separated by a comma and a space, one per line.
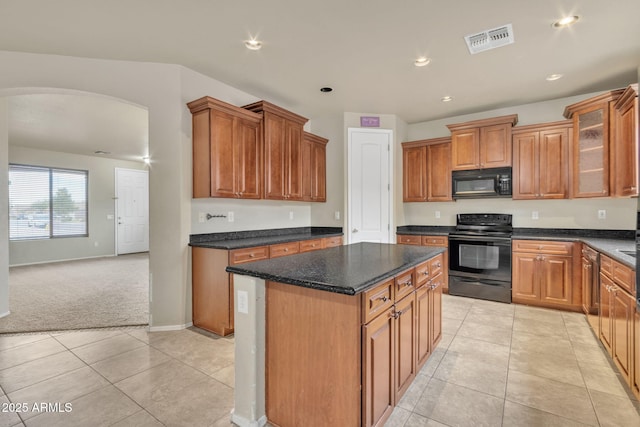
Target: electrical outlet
(96, 244)
(290, 214)
(336, 215)
(602, 214)
(201, 217)
(230, 217)
(534, 215)
(437, 214)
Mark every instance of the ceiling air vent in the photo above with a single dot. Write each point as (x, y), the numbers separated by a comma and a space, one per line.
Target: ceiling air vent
(489, 39)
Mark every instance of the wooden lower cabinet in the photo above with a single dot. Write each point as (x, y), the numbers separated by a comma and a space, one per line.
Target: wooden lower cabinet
(405, 333)
(430, 240)
(378, 366)
(617, 317)
(212, 286)
(543, 274)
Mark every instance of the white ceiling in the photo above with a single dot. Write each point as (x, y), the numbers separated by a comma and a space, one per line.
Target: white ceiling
(364, 50)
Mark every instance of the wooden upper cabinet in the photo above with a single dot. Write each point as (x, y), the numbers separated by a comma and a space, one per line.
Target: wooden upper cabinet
(482, 143)
(314, 168)
(426, 172)
(624, 150)
(591, 134)
(541, 161)
(227, 150)
(283, 133)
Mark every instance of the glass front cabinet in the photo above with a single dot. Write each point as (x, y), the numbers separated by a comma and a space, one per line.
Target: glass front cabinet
(593, 131)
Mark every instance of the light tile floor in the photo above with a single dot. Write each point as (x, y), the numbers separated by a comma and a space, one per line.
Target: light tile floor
(497, 365)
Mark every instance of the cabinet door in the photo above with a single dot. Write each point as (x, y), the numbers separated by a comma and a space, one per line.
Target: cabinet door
(293, 161)
(306, 152)
(606, 312)
(212, 291)
(405, 332)
(555, 279)
(586, 280)
(248, 159)
(318, 172)
(526, 160)
(625, 149)
(635, 383)
(223, 181)
(201, 154)
(378, 355)
(465, 149)
(423, 326)
(274, 156)
(554, 164)
(525, 286)
(439, 172)
(495, 146)
(435, 308)
(623, 310)
(591, 152)
(414, 174)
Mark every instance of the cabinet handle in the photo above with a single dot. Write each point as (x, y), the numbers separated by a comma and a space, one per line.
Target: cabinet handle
(252, 256)
(383, 298)
(438, 265)
(409, 283)
(395, 314)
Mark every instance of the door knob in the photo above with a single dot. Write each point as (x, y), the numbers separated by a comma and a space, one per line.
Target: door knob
(355, 230)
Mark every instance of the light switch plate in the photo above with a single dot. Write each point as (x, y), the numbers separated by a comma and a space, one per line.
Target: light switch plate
(534, 215)
(230, 216)
(602, 214)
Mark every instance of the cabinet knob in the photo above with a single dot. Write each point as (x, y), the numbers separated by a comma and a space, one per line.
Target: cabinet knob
(426, 273)
(383, 298)
(286, 249)
(408, 283)
(252, 256)
(438, 265)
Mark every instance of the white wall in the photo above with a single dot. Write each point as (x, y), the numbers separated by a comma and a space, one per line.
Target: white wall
(101, 204)
(572, 213)
(4, 211)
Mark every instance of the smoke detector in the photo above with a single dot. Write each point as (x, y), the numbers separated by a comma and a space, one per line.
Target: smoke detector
(489, 39)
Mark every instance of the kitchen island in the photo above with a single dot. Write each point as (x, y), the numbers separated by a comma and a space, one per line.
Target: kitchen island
(336, 336)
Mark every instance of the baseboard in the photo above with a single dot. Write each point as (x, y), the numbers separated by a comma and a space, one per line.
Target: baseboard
(244, 422)
(62, 260)
(4, 314)
(170, 327)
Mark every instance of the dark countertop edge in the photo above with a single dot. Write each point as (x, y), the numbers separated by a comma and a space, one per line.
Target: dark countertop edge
(322, 286)
(245, 240)
(574, 232)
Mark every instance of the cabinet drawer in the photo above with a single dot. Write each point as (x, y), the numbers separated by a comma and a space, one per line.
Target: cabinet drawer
(239, 256)
(310, 245)
(606, 266)
(624, 277)
(409, 240)
(422, 274)
(330, 242)
(284, 249)
(436, 265)
(404, 284)
(435, 241)
(377, 300)
(543, 246)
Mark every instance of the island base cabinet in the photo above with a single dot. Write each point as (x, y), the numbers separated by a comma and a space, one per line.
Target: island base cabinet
(405, 333)
(313, 353)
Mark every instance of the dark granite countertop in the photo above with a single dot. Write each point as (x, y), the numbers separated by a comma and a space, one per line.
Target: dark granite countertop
(348, 269)
(252, 238)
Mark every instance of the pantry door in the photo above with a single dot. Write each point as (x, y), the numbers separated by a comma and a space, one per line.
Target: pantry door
(369, 185)
(132, 211)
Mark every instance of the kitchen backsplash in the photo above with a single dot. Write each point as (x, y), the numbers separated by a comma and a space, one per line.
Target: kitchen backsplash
(620, 214)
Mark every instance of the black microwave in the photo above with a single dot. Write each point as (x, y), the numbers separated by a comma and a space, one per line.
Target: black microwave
(481, 183)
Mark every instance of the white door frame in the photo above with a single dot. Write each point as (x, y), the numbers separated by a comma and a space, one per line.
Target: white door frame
(115, 198)
(350, 131)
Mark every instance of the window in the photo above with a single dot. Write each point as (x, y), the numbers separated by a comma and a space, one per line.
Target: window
(47, 202)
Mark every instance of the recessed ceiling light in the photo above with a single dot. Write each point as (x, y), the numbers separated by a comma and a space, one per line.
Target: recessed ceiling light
(566, 21)
(552, 77)
(422, 61)
(253, 44)
(446, 99)
(326, 89)
(101, 152)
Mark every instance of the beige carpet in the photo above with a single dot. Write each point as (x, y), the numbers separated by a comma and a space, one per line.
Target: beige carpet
(94, 293)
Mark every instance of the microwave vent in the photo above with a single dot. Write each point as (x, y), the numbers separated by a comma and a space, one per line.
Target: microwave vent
(490, 39)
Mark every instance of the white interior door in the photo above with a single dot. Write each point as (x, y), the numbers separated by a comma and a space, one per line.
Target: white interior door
(369, 185)
(132, 211)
